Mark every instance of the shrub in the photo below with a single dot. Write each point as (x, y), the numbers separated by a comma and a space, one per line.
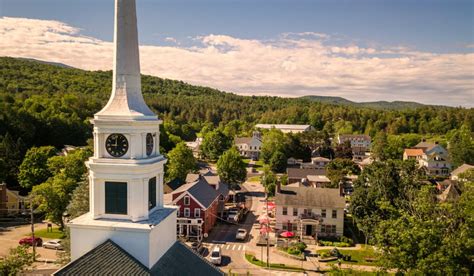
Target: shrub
(293, 251)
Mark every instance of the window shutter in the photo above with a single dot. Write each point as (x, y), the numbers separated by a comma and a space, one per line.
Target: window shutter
(151, 193)
(116, 198)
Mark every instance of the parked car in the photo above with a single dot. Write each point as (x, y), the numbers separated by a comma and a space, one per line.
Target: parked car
(216, 257)
(241, 234)
(233, 215)
(29, 241)
(197, 246)
(53, 244)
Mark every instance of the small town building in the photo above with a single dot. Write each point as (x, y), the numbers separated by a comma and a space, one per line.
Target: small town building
(286, 128)
(249, 147)
(301, 175)
(200, 204)
(11, 202)
(195, 146)
(431, 156)
(459, 170)
(360, 144)
(316, 163)
(310, 212)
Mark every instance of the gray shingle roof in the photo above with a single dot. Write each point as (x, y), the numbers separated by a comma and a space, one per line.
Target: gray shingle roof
(306, 196)
(181, 260)
(303, 173)
(200, 190)
(110, 259)
(106, 259)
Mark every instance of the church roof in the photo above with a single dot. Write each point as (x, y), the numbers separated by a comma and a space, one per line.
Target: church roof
(110, 259)
(106, 259)
(181, 260)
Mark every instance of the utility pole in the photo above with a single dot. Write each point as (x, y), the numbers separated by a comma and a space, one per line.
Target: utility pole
(268, 228)
(32, 218)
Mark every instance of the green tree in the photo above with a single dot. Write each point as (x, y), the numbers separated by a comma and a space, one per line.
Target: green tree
(79, 203)
(273, 141)
(461, 147)
(72, 165)
(180, 162)
(278, 162)
(17, 260)
(269, 180)
(214, 144)
(34, 168)
(339, 168)
(343, 150)
(53, 197)
(380, 146)
(231, 168)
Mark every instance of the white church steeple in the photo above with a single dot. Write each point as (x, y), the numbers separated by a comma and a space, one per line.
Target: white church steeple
(126, 100)
(126, 172)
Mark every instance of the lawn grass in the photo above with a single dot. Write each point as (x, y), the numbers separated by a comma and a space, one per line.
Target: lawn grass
(251, 259)
(357, 256)
(254, 179)
(56, 234)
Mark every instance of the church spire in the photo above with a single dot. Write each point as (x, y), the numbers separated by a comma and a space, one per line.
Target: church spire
(126, 101)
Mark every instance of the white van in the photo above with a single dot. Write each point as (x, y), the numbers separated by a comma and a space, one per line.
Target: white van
(216, 256)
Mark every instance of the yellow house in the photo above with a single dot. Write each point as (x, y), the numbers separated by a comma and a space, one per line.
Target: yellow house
(11, 201)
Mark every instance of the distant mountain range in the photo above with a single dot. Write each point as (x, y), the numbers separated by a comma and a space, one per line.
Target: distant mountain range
(396, 105)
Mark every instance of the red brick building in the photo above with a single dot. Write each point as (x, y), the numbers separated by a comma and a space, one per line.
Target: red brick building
(198, 203)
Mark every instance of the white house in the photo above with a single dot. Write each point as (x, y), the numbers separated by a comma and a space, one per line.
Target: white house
(431, 156)
(249, 146)
(310, 212)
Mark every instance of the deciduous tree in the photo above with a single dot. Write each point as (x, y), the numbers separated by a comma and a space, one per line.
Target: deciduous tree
(180, 162)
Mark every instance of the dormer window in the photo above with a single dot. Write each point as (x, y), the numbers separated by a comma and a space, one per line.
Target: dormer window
(186, 200)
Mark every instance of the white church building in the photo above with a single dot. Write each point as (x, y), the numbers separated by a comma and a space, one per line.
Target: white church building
(128, 230)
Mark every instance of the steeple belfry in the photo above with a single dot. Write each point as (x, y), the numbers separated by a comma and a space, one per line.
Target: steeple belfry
(126, 101)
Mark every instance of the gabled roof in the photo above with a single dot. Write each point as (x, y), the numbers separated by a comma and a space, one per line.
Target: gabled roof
(451, 193)
(174, 184)
(303, 173)
(181, 260)
(106, 259)
(243, 140)
(413, 152)
(427, 146)
(461, 169)
(110, 259)
(320, 159)
(199, 190)
(312, 197)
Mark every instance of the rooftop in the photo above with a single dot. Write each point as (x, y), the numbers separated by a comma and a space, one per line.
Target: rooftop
(307, 196)
(303, 173)
(199, 189)
(461, 169)
(282, 126)
(413, 152)
(110, 259)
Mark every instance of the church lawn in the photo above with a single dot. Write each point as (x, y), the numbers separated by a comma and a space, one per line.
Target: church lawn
(56, 234)
(358, 257)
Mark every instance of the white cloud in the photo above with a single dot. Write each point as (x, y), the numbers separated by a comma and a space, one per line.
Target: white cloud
(290, 65)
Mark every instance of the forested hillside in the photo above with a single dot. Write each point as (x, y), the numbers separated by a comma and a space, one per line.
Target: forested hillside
(43, 104)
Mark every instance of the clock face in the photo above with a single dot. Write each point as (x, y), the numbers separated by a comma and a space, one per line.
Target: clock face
(116, 144)
(149, 144)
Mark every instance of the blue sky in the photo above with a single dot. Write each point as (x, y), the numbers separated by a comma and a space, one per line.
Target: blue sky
(432, 25)
(415, 29)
